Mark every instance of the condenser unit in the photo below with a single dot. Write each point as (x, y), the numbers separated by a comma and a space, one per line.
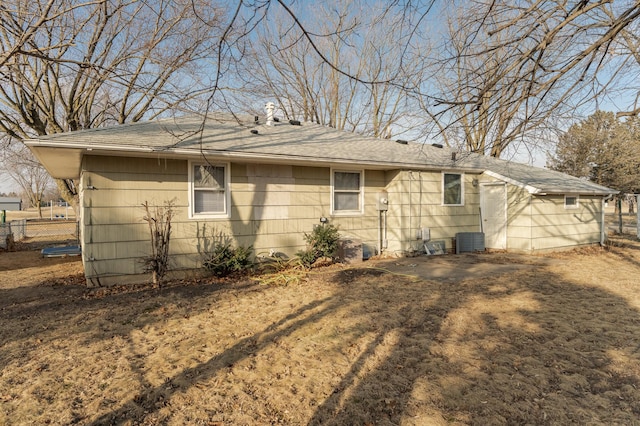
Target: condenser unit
(469, 242)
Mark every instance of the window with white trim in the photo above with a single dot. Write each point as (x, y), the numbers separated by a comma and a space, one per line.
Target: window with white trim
(571, 201)
(208, 190)
(346, 188)
(452, 189)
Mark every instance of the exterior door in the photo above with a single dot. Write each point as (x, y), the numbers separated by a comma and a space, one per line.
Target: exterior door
(493, 205)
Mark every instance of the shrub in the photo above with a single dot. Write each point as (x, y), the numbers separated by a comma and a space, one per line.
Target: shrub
(307, 257)
(159, 234)
(321, 242)
(224, 260)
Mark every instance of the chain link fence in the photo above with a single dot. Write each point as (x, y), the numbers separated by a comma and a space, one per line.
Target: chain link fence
(40, 231)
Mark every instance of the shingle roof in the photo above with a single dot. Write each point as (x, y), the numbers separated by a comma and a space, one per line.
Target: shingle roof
(224, 136)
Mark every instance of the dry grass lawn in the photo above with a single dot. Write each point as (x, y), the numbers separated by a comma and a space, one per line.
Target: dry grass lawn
(499, 339)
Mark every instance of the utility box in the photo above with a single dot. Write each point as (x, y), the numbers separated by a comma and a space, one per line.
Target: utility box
(469, 242)
(383, 201)
(350, 250)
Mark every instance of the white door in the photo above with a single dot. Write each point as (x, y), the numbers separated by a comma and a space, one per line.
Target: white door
(493, 214)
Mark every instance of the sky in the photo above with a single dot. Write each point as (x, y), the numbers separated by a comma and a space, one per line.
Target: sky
(7, 184)
(434, 22)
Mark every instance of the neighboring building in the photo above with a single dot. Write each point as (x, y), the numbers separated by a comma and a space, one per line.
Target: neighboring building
(266, 185)
(10, 203)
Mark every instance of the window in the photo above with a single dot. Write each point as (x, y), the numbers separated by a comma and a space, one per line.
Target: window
(347, 191)
(571, 201)
(208, 190)
(452, 189)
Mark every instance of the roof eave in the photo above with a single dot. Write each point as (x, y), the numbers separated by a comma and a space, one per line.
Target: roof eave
(530, 189)
(542, 191)
(40, 148)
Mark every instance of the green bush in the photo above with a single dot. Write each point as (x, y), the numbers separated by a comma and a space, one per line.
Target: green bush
(307, 257)
(321, 242)
(224, 260)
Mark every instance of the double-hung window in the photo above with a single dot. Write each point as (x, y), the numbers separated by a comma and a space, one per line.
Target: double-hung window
(452, 189)
(347, 191)
(208, 190)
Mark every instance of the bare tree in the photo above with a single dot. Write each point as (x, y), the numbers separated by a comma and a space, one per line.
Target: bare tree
(104, 62)
(347, 66)
(18, 162)
(513, 69)
(21, 21)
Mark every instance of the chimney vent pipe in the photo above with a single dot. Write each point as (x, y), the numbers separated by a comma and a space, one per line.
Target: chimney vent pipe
(270, 107)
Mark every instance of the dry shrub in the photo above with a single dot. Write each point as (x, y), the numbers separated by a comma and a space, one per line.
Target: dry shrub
(160, 234)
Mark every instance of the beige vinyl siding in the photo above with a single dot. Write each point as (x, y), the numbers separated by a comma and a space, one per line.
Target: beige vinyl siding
(361, 226)
(272, 206)
(541, 222)
(114, 235)
(518, 218)
(554, 227)
(415, 202)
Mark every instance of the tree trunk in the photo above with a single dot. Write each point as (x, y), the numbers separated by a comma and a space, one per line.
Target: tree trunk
(68, 193)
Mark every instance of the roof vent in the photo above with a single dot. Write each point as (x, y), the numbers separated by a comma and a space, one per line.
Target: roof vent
(437, 145)
(270, 107)
(453, 156)
(294, 122)
(254, 131)
(401, 141)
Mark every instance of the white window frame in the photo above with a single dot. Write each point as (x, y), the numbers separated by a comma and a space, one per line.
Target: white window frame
(572, 206)
(461, 189)
(360, 211)
(225, 214)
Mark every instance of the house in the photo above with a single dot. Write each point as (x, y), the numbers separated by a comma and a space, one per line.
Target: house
(10, 203)
(266, 184)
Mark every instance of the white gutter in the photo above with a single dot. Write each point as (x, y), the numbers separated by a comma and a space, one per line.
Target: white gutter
(88, 147)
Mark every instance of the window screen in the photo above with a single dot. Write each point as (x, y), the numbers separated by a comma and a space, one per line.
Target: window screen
(208, 189)
(346, 191)
(452, 191)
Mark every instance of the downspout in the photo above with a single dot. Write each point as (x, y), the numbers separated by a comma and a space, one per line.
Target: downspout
(602, 220)
(638, 215)
(379, 242)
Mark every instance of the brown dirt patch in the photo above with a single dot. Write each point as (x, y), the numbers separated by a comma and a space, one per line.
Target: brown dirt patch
(548, 340)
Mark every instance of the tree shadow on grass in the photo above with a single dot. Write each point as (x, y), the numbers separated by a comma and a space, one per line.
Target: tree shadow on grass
(527, 347)
(63, 307)
(151, 399)
(515, 349)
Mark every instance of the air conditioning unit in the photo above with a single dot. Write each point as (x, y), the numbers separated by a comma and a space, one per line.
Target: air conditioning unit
(467, 242)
